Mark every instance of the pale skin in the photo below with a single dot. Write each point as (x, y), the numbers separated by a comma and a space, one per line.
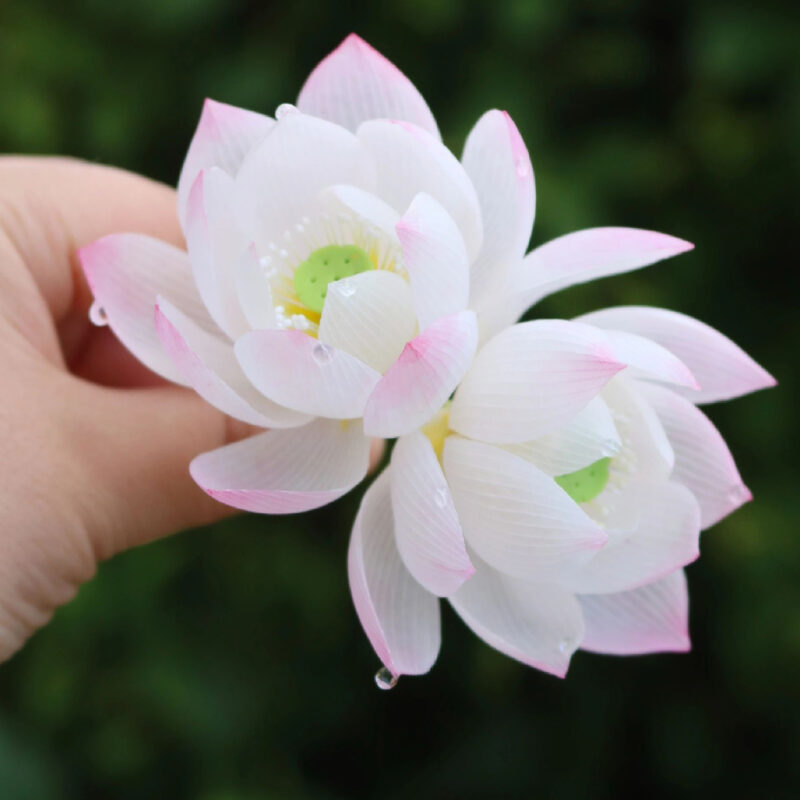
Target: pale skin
(95, 448)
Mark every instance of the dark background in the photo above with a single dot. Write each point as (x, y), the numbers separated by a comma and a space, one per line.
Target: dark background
(227, 663)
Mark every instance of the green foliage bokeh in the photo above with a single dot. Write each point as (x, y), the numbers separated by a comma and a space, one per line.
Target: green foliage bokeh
(227, 663)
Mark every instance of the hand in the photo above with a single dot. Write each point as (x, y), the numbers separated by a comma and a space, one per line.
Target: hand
(95, 448)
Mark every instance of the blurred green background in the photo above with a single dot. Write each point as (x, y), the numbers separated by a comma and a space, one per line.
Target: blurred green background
(228, 663)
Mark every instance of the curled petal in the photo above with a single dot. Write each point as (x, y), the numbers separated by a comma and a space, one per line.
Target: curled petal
(286, 471)
(279, 183)
(400, 618)
(497, 161)
(296, 371)
(126, 273)
(531, 379)
(422, 378)
(435, 258)
(370, 316)
(539, 624)
(651, 619)
(721, 367)
(428, 532)
(589, 436)
(703, 462)
(409, 161)
(208, 364)
(224, 136)
(515, 517)
(653, 529)
(356, 83)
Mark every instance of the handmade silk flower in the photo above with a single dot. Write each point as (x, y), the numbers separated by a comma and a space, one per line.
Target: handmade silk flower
(343, 270)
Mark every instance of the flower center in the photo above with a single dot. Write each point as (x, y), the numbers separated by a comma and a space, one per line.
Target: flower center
(325, 265)
(585, 484)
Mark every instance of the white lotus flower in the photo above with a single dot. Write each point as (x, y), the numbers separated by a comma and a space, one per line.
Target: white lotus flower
(555, 501)
(337, 258)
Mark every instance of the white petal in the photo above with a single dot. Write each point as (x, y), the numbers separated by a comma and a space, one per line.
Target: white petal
(253, 290)
(531, 379)
(400, 618)
(126, 273)
(224, 136)
(215, 242)
(366, 207)
(435, 257)
(208, 364)
(653, 529)
(589, 254)
(428, 532)
(423, 377)
(279, 182)
(369, 315)
(539, 624)
(497, 161)
(356, 83)
(722, 369)
(703, 462)
(286, 471)
(409, 160)
(515, 517)
(296, 371)
(589, 436)
(647, 451)
(649, 360)
(651, 619)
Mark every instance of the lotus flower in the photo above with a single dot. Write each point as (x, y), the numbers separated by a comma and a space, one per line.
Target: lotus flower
(556, 500)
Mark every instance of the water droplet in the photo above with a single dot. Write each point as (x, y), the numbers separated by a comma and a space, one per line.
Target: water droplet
(284, 254)
(284, 109)
(264, 262)
(565, 645)
(322, 354)
(523, 169)
(385, 679)
(346, 288)
(97, 315)
(440, 498)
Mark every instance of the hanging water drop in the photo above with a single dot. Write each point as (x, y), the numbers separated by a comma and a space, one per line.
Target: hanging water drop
(385, 679)
(284, 109)
(322, 354)
(346, 288)
(522, 167)
(97, 315)
(565, 645)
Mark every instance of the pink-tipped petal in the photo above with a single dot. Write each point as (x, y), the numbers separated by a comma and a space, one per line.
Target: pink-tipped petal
(586, 255)
(301, 373)
(539, 624)
(422, 378)
(356, 83)
(208, 364)
(224, 136)
(497, 161)
(279, 183)
(589, 436)
(721, 367)
(653, 529)
(647, 359)
(370, 316)
(400, 618)
(410, 160)
(651, 619)
(513, 516)
(286, 471)
(703, 462)
(126, 272)
(435, 257)
(215, 242)
(531, 379)
(428, 532)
